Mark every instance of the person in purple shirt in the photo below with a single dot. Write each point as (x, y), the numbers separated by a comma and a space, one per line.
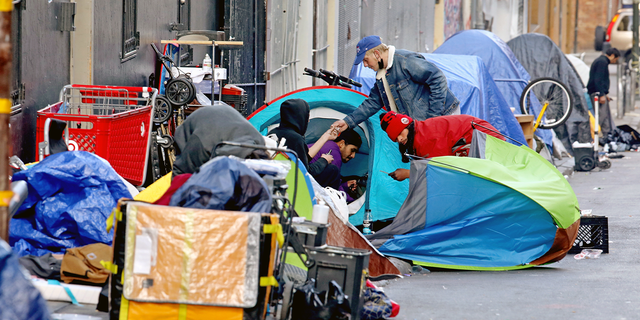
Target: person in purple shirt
(342, 149)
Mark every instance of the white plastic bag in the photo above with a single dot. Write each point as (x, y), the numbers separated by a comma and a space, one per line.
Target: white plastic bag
(339, 199)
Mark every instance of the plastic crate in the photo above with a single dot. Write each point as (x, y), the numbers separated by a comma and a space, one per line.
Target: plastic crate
(347, 266)
(235, 97)
(109, 121)
(592, 234)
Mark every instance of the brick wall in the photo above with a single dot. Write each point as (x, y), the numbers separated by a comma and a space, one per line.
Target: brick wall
(592, 13)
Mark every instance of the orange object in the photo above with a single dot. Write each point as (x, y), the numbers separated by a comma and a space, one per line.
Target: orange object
(183, 263)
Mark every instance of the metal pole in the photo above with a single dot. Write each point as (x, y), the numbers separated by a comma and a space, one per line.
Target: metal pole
(636, 52)
(575, 28)
(619, 91)
(476, 15)
(5, 113)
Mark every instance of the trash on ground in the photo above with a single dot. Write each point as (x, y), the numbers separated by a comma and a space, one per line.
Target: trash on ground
(586, 212)
(588, 254)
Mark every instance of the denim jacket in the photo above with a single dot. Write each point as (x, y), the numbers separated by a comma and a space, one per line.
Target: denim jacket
(418, 87)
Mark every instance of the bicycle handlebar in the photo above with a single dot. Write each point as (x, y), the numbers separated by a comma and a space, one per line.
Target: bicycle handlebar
(341, 78)
(331, 78)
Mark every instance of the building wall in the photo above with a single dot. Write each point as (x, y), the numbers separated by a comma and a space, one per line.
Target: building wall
(592, 13)
(42, 52)
(153, 21)
(556, 19)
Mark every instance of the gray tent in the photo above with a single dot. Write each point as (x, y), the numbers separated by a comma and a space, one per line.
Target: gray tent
(542, 58)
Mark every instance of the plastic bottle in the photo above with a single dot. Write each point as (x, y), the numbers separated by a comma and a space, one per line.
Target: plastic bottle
(320, 213)
(206, 63)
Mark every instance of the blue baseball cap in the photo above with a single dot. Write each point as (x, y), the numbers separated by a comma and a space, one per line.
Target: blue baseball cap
(366, 44)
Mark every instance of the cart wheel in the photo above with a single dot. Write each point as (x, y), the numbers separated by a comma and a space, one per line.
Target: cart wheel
(586, 163)
(167, 141)
(163, 109)
(604, 164)
(180, 91)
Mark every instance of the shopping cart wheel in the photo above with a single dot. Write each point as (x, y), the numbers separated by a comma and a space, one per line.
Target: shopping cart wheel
(163, 109)
(180, 91)
(165, 141)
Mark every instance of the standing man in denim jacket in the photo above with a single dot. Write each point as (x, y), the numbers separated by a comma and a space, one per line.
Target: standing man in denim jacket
(418, 87)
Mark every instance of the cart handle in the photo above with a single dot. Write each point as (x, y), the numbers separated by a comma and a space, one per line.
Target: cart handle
(132, 89)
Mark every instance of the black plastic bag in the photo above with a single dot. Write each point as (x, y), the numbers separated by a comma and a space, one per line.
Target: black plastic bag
(308, 304)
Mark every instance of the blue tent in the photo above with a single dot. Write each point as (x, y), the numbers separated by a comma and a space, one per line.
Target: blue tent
(378, 153)
(503, 207)
(470, 82)
(507, 72)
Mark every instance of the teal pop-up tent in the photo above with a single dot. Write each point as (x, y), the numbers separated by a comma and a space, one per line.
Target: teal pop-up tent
(378, 154)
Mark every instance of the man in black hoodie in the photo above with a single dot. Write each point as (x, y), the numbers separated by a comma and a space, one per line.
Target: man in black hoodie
(294, 119)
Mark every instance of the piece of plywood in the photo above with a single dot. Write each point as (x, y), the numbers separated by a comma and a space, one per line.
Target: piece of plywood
(526, 122)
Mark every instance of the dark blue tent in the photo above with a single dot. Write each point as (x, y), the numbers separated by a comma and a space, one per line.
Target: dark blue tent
(503, 66)
(470, 82)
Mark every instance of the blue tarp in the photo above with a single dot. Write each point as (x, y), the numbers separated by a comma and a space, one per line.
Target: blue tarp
(503, 66)
(71, 194)
(470, 82)
(489, 226)
(384, 195)
(19, 299)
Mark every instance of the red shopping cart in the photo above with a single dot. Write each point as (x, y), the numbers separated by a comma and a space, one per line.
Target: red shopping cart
(112, 122)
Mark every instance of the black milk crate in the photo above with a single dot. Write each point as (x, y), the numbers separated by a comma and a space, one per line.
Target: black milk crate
(347, 266)
(592, 234)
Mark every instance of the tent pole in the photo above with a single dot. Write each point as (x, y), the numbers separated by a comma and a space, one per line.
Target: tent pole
(5, 113)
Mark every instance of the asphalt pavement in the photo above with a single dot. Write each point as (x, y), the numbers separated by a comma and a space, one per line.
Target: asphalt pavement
(603, 288)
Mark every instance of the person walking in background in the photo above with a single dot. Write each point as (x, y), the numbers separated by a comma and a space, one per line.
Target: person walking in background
(405, 82)
(599, 84)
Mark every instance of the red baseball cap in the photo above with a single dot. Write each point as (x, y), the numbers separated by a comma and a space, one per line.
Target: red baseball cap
(393, 123)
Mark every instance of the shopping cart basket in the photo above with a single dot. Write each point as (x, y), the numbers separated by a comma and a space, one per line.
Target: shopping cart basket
(112, 122)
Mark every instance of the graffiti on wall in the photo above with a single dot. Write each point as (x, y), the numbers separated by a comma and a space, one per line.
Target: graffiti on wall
(452, 17)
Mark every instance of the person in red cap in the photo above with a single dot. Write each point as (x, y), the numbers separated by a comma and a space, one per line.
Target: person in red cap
(434, 137)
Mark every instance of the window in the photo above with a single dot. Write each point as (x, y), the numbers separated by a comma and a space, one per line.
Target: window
(130, 35)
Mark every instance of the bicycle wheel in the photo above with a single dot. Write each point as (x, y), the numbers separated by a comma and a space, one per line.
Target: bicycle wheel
(162, 110)
(552, 93)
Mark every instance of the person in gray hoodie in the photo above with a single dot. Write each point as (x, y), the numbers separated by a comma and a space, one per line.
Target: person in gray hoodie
(198, 136)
